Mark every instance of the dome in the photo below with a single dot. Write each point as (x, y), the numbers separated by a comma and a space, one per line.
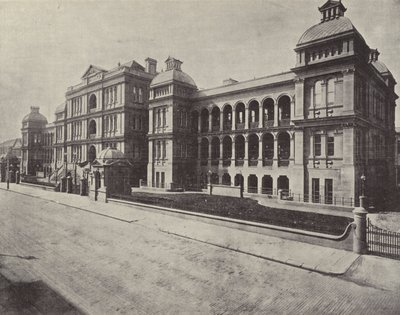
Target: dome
(35, 116)
(327, 29)
(109, 156)
(172, 75)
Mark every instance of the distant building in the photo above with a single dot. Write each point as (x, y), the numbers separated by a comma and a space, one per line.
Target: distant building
(311, 132)
(13, 146)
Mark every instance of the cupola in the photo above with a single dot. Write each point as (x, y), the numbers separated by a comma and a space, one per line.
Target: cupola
(332, 10)
(173, 64)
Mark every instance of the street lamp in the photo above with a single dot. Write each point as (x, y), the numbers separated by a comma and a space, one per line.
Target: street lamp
(363, 178)
(241, 179)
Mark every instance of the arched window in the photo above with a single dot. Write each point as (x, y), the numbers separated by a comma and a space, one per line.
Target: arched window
(317, 93)
(92, 101)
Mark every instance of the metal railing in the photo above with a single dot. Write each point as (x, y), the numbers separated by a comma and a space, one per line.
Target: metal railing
(383, 242)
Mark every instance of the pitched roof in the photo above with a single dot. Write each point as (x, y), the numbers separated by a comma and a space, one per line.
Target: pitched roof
(92, 69)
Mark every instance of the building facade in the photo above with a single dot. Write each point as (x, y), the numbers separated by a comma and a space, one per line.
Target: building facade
(314, 132)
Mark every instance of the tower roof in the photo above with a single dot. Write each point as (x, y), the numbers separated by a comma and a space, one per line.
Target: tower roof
(35, 116)
(327, 29)
(173, 73)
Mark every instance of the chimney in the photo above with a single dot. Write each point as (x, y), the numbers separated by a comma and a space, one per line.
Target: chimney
(151, 66)
(35, 109)
(373, 55)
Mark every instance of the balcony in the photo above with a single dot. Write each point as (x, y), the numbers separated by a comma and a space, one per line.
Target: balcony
(92, 136)
(215, 128)
(268, 162)
(284, 122)
(283, 163)
(226, 162)
(239, 162)
(253, 162)
(228, 126)
(239, 126)
(268, 123)
(215, 161)
(253, 124)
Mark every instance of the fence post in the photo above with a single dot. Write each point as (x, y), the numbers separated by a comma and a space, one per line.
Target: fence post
(360, 244)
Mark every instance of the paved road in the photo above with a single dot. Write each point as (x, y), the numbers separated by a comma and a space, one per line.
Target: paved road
(106, 266)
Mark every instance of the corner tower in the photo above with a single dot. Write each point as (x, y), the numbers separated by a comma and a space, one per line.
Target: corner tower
(345, 104)
(171, 143)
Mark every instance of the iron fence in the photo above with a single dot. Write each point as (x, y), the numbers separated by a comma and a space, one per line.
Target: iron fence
(383, 242)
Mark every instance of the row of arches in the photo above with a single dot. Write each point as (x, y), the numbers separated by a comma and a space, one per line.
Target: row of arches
(240, 116)
(267, 147)
(251, 184)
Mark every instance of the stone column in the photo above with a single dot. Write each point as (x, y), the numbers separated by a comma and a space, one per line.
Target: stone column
(233, 158)
(259, 184)
(260, 151)
(260, 116)
(276, 115)
(360, 245)
(291, 156)
(221, 121)
(233, 119)
(220, 152)
(209, 153)
(151, 111)
(246, 118)
(246, 152)
(209, 122)
(276, 150)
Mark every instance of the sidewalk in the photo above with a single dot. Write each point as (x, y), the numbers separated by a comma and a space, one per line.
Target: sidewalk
(302, 255)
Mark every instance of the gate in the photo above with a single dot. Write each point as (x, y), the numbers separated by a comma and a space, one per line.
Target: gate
(382, 242)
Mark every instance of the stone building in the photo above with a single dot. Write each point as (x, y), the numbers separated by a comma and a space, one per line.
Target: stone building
(313, 131)
(107, 109)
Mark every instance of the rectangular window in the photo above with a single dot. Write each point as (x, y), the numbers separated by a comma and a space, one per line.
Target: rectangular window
(315, 190)
(331, 145)
(317, 145)
(328, 191)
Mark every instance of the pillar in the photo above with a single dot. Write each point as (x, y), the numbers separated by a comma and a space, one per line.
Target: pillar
(246, 153)
(260, 116)
(276, 115)
(220, 154)
(260, 150)
(233, 152)
(209, 122)
(360, 245)
(221, 120)
(233, 119)
(291, 155)
(275, 149)
(246, 118)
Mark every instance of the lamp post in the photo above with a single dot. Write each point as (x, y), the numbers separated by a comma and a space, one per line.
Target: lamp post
(8, 174)
(363, 178)
(209, 180)
(74, 160)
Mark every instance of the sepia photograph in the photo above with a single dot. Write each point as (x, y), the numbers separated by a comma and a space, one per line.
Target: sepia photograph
(199, 157)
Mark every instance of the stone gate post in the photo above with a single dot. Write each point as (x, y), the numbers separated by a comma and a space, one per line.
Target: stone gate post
(360, 245)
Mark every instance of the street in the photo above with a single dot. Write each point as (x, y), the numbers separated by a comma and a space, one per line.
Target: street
(105, 266)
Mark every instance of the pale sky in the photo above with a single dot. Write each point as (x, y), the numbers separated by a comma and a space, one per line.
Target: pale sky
(45, 46)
